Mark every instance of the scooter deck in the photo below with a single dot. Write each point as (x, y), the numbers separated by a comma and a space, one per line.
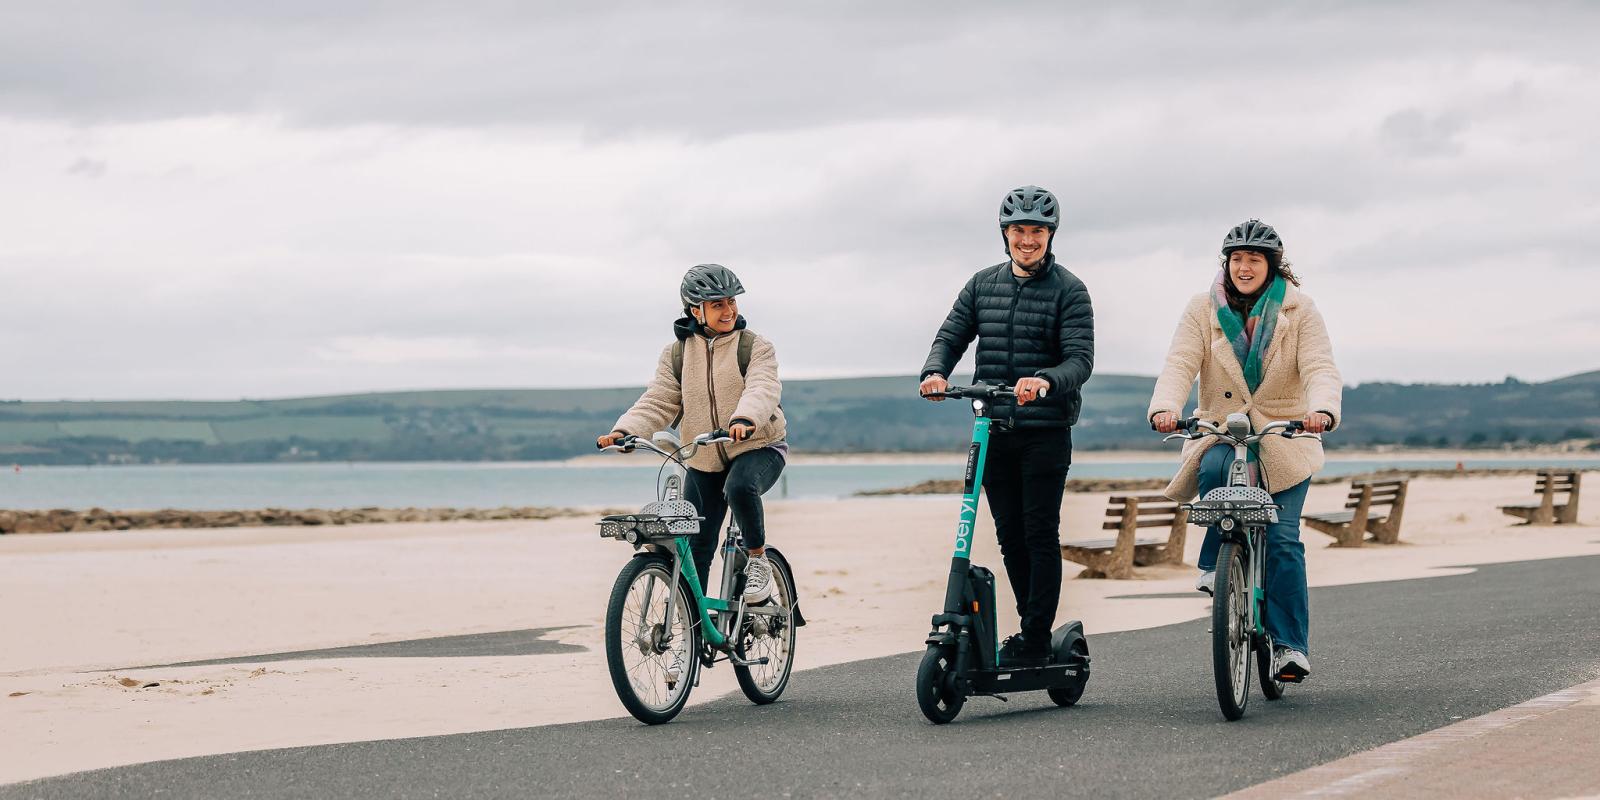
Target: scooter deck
(1029, 679)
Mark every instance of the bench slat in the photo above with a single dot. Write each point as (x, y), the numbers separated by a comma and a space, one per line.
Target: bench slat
(1107, 544)
(1341, 517)
(1112, 525)
(1145, 510)
(1143, 498)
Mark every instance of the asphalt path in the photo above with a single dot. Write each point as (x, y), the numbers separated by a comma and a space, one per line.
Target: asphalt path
(1391, 660)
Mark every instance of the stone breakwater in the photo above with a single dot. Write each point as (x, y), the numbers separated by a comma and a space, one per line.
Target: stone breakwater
(99, 519)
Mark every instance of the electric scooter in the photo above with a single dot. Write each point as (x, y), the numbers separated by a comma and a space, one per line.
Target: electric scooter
(962, 659)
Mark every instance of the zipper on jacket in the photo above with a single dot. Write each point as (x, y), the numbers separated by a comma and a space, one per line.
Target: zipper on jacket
(1011, 337)
(711, 388)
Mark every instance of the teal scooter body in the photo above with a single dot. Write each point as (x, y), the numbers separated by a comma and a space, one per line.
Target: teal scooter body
(962, 658)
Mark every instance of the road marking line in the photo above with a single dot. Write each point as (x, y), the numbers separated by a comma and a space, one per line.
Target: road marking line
(1352, 774)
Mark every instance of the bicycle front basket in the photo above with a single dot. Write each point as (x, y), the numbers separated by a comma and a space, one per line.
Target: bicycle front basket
(1243, 503)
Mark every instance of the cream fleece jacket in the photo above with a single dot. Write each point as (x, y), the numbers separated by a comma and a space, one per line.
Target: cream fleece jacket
(1298, 377)
(712, 395)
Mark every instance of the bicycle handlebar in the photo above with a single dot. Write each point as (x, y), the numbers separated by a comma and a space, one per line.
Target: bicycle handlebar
(1197, 428)
(627, 443)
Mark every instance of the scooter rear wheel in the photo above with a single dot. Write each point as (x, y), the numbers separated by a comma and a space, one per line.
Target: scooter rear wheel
(936, 694)
(1069, 695)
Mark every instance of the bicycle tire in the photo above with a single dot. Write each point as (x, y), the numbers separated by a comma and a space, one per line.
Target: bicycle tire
(625, 634)
(1230, 633)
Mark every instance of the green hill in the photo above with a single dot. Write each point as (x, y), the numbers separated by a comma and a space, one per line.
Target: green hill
(842, 415)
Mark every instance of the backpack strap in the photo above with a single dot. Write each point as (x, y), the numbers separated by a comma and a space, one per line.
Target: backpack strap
(747, 343)
(677, 360)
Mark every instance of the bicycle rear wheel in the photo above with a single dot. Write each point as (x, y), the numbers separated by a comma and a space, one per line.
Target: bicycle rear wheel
(642, 670)
(1231, 631)
(769, 637)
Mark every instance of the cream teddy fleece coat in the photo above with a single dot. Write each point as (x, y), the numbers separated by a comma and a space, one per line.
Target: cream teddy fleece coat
(712, 395)
(1298, 377)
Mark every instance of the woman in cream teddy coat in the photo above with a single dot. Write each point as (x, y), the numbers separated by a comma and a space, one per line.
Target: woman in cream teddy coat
(1259, 346)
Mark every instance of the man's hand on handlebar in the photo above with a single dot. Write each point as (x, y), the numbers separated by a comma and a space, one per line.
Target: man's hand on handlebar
(933, 384)
(740, 431)
(610, 439)
(1031, 389)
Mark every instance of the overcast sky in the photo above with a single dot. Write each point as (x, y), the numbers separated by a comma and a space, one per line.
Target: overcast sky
(224, 200)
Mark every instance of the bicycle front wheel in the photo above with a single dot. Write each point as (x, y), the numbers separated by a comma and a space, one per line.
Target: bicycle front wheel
(1231, 631)
(770, 637)
(653, 660)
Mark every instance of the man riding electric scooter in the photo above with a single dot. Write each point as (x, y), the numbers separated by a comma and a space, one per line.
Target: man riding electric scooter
(1035, 331)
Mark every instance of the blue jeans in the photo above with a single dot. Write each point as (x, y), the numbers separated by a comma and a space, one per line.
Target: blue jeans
(1287, 615)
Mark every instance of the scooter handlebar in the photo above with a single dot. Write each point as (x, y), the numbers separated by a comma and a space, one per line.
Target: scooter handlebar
(979, 392)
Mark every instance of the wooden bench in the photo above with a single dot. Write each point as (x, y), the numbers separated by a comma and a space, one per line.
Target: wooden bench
(1115, 557)
(1349, 528)
(1547, 511)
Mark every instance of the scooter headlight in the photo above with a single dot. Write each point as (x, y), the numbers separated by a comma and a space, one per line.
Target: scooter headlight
(1226, 523)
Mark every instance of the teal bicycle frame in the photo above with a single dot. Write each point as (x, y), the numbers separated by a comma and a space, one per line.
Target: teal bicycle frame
(717, 617)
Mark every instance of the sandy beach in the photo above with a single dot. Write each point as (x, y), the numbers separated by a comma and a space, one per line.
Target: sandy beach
(88, 613)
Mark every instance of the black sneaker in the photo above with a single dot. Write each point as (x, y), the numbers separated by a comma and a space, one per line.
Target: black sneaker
(1023, 651)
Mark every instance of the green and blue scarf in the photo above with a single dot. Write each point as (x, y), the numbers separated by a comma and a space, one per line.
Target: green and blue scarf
(1251, 335)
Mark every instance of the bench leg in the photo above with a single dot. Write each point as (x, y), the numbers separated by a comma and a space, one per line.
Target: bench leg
(1178, 539)
(1569, 512)
(1389, 531)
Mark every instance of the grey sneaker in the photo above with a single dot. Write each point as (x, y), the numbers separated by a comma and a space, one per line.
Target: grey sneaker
(1291, 665)
(1207, 582)
(757, 580)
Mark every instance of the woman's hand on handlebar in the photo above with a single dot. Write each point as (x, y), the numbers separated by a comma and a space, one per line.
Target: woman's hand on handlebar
(1164, 422)
(1317, 422)
(609, 439)
(933, 384)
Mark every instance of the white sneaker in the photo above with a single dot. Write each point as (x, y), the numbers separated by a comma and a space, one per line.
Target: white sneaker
(1291, 665)
(757, 580)
(675, 658)
(1207, 582)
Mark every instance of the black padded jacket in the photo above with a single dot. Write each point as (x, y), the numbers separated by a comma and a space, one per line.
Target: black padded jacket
(1041, 326)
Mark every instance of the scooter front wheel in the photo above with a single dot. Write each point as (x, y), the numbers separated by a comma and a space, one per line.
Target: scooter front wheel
(936, 692)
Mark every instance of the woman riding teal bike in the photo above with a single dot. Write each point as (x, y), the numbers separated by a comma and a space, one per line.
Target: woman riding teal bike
(1260, 348)
(718, 374)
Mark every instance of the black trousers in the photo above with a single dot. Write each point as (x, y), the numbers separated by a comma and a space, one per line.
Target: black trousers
(740, 487)
(1023, 477)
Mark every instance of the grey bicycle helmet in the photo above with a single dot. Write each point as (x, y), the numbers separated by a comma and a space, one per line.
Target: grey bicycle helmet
(707, 282)
(1026, 204)
(1253, 234)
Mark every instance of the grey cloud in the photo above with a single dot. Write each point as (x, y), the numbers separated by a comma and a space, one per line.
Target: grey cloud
(707, 71)
(87, 167)
(1414, 133)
